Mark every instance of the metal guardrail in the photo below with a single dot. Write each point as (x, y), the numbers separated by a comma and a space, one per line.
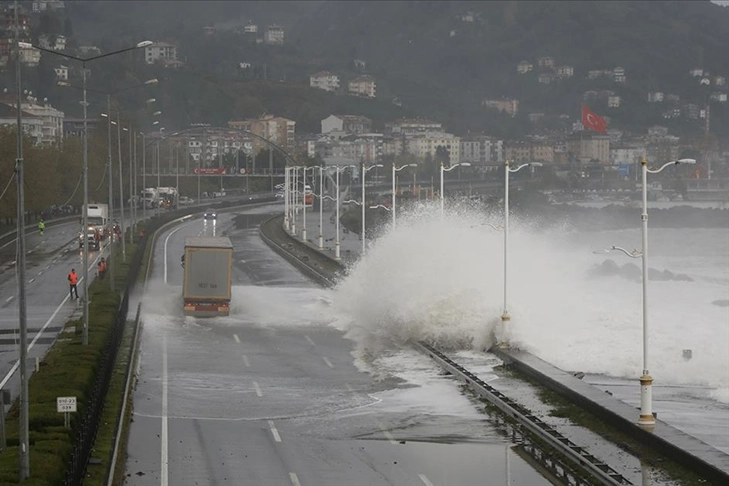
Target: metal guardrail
(575, 454)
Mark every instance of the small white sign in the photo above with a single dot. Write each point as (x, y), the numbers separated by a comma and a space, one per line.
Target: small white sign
(242, 171)
(65, 404)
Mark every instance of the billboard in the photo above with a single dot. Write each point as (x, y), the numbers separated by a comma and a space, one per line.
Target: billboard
(210, 171)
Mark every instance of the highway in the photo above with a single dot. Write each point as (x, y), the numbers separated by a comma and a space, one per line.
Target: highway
(49, 260)
(272, 395)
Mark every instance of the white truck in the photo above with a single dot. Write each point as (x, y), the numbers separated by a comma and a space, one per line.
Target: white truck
(206, 288)
(150, 197)
(167, 197)
(98, 216)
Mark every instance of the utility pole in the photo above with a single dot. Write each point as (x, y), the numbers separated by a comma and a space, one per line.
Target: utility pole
(109, 171)
(121, 188)
(24, 440)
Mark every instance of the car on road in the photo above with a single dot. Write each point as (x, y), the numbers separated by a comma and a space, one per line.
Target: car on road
(280, 194)
(184, 201)
(210, 214)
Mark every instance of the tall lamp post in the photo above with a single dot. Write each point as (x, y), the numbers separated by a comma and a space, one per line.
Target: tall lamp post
(505, 318)
(337, 245)
(443, 170)
(109, 170)
(86, 167)
(321, 208)
(364, 172)
(23, 432)
(394, 189)
(646, 381)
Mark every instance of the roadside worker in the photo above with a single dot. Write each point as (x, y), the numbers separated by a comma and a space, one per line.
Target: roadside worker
(41, 226)
(102, 268)
(72, 281)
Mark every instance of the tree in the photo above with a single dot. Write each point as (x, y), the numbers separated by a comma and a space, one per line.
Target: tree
(442, 156)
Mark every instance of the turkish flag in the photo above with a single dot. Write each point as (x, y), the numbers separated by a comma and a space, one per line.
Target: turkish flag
(593, 121)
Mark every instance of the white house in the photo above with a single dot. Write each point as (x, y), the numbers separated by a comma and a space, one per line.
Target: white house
(159, 50)
(324, 80)
(61, 73)
(363, 86)
(274, 35)
(524, 67)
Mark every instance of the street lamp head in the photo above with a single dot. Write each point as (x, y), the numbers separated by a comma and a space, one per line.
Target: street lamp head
(151, 81)
(145, 43)
(536, 164)
(151, 100)
(466, 164)
(155, 122)
(685, 161)
(156, 113)
(104, 115)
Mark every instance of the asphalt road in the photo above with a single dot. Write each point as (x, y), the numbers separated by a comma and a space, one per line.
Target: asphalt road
(271, 395)
(49, 260)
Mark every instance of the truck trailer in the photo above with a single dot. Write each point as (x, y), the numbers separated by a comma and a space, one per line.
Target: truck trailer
(208, 264)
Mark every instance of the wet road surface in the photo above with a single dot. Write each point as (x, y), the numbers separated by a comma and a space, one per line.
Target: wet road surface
(271, 394)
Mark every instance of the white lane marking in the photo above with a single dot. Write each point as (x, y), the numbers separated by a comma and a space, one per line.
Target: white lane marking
(48, 266)
(349, 387)
(40, 273)
(326, 360)
(386, 432)
(294, 479)
(246, 362)
(274, 431)
(16, 365)
(237, 339)
(308, 339)
(166, 240)
(258, 389)
(164, 453)
(10, 298)
(425, 480)
(31, 280)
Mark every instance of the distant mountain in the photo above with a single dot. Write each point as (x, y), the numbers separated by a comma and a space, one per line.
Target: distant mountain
(438, 59)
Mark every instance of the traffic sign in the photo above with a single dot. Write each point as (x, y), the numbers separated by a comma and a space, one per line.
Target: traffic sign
(242, 171)
(65, 404)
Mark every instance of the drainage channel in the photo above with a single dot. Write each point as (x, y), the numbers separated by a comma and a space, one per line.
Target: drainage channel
(535, 431)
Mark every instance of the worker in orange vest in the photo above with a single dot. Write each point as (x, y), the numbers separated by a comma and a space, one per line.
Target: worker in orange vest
(102, 268)
(73, 280)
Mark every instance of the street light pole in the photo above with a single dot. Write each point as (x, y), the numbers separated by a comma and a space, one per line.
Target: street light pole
(121, 188)
(109, 170)
(86, 216)
(336, 243)
(303, 225)
(24, 436)
(321, 207)
(394, 189)
(442, 170)
(131, 187)
(144, 175)
(505, 318)
(364, 172)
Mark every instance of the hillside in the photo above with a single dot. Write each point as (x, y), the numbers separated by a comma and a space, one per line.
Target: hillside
(438, 59)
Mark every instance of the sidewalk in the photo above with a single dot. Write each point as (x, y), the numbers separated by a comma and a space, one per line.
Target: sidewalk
(350, 244)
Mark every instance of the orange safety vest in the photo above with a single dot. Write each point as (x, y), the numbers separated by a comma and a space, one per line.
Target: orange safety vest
(73, 278)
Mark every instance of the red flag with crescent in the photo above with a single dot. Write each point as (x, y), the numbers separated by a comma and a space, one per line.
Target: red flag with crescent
(593, 121)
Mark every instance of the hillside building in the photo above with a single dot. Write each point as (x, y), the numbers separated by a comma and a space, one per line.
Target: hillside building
(363, 86)
(274, 35)
(324, 80)
(160, 51)
(346, 123)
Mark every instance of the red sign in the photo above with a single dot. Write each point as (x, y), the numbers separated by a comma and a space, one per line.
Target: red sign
(210, 171)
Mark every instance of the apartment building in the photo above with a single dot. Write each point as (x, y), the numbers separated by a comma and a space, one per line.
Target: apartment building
(324, 80)
(406, 127)
(482, 150)
(588, 148)
(278, 130)
(346, 123)
(427, 145)
(274, 35)
(160, 51)
(363, 86)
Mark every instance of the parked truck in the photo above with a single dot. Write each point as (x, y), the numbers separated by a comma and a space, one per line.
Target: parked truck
(208, 264)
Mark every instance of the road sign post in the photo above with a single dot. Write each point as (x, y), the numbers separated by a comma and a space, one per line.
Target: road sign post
(66, 406)
(4, 400)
